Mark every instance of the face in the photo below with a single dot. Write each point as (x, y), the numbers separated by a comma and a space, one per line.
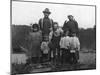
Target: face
(35, 29)
(70, 18)
(46, 14)
(74, 34)
(66, 33)
(55, 26)
(46, 39)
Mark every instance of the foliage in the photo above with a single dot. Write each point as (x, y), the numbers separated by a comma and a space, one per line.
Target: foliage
(87, 37)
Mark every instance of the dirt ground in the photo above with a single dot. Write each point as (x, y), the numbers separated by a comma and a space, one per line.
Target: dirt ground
(87, 61)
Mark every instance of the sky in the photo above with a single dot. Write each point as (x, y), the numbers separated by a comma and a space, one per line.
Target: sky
(25, 13)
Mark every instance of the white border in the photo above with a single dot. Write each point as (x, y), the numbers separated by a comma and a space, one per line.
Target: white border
(5, 37)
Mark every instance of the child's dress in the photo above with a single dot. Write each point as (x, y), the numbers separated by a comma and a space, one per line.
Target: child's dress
(55, 37)
(33, 44)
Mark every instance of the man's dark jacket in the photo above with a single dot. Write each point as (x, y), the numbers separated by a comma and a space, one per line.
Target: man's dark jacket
(72, 26)
(45, 25)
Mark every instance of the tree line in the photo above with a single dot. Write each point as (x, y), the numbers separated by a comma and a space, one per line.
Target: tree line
(19, 33)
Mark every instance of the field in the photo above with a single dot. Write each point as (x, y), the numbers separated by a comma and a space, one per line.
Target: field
(87, 61)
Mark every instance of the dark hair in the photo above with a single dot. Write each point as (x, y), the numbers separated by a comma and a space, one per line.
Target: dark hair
(70, 16)
(35, 26)
(55, 23)
(65, 32)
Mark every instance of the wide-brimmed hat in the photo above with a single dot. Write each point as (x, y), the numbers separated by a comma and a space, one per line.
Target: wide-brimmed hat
(46, 11)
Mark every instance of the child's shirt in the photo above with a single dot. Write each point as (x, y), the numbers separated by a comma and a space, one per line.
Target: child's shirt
(44, 47)
(74, 43)
(65, 42)
(56, 33)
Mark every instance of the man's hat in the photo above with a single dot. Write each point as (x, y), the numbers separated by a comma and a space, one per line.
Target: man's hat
(46, 11)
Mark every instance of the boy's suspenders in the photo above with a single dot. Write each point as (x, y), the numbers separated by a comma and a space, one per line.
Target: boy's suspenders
(42, 23)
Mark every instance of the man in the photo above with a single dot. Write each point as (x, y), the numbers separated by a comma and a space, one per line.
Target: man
(46, 24)
(71, 25)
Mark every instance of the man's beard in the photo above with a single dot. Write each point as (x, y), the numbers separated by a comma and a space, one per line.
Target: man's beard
(46, 16)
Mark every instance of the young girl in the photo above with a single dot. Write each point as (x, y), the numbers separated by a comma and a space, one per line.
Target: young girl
(55, 36)
(34, 42)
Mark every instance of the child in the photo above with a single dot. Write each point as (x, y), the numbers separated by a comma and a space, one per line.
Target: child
(75, 45)
(54, 37)
(33, 44)
(45, 49)
(65, 45)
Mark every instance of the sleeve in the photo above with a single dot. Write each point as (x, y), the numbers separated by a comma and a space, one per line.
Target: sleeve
(78, 44)
(65, 26)
(50, 36)
(52, 23)
(40, 24)
(77, 29)
(61, 30)
(61, 42)
(51, 27)
(40, 36)
(41, 46)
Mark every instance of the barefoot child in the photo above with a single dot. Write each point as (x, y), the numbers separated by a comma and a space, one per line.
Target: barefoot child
(55, 36)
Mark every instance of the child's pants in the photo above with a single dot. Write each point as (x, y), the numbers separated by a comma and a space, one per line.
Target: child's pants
(65, 57)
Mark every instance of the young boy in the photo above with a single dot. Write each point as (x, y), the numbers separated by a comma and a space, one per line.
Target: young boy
(45, 49)
(54, 37)
(75, 45)
(65, 45)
